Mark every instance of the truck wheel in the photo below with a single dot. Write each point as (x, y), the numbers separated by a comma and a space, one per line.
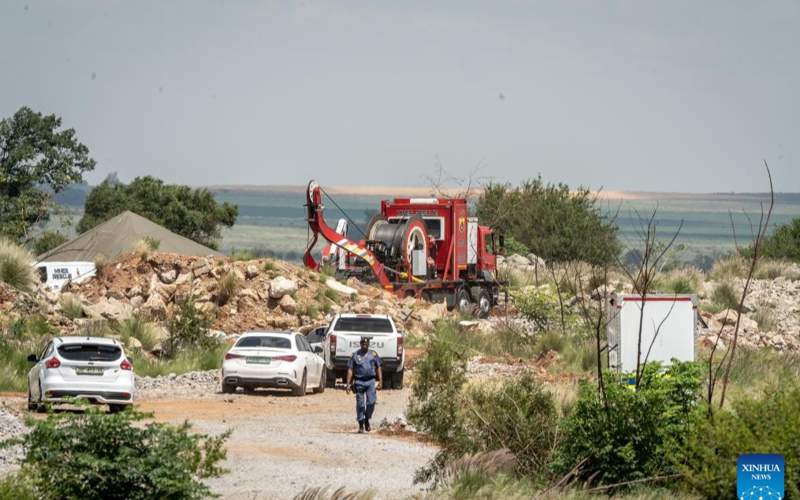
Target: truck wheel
(301, 389)
(388, 380)
(397, 380)
(228, 388)
(463, 302)
(330, 379)
(484, 304)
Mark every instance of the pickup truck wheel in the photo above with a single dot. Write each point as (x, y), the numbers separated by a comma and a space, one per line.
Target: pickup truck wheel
(397, 380)
(322, 378)
(330, 379)
(228, 388)
(301, 389)
(116, 408)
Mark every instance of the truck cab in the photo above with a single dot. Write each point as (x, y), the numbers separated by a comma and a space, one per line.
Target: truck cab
(344, 335)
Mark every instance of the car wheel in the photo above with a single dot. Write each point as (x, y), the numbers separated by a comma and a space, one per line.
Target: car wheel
(397, 380)
(116, 408)
(322, 382)
(31, 405)
(41, 406)
(228, 388)
(330, 378)
(301, 389)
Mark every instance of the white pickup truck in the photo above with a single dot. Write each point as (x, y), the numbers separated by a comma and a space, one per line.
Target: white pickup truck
(344, 335)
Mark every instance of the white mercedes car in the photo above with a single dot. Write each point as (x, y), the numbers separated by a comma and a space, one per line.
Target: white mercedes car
(283, 360)
(91, 368)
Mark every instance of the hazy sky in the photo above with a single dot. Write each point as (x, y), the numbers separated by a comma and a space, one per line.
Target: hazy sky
(660, 96)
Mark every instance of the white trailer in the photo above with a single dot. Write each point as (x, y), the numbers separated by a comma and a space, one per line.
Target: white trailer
(668, 329)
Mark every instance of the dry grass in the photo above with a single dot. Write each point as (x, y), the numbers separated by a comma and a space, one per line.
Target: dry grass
(683, 280)
(15, 266)
(227, 286)
(71, 306)
(328, 493)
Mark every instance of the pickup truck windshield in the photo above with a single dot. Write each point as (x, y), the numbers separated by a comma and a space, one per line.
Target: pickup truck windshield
(364, 325)
(269, 342)
(89, 352)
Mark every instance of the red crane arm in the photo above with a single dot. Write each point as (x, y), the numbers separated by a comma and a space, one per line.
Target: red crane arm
(317, 224)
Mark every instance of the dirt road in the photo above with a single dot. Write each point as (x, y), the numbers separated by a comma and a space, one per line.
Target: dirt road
(280, 444)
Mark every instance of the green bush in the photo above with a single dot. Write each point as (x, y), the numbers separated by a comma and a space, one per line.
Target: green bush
(515, 414)
(634, 435)
(683, 280)
(540, 304)
(47, 241)
(243, 254)
(91, 455)
(784, 243)
(188, 329)
(512, 246)
(15, 266)
(552, 221)
(729, 267)
(769, 423)
(17, 486)
(188, 360)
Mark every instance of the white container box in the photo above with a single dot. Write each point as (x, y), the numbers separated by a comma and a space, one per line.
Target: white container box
(668, 326)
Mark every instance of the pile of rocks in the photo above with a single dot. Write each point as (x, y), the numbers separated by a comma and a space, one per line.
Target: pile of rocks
(191, 384)
(238, 296)
(11, 426)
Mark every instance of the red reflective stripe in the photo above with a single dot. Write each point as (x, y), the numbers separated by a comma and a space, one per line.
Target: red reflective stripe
(659, 299)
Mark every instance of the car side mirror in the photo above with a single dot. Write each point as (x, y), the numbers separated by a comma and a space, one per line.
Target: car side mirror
(318, 349)
(32, 358)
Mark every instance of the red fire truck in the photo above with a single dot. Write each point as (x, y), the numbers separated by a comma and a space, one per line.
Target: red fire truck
(422, 247)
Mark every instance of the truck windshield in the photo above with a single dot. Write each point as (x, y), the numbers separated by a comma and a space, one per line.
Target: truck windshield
(269, 342)
(89, 352)
(365, 325)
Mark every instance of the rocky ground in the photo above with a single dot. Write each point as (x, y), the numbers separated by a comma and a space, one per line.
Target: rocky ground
(11, 426)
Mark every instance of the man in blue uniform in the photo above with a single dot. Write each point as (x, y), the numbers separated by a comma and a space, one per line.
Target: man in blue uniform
(365, 367)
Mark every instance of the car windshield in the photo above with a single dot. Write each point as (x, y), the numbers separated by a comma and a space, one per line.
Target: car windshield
(270, 342)
(365, 325)
(89, 352)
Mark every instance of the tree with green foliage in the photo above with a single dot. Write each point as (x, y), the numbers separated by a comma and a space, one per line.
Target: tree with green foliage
(47, 241)
(784, 243)
(91, 455)
(193, 213)
(550, 220)
(36, 160)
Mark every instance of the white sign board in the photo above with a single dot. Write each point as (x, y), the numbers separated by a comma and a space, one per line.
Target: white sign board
(56, 274)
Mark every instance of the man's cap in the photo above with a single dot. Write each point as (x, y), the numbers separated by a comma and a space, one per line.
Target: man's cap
(364, 339)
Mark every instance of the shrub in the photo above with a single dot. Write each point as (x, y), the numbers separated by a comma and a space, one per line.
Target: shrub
(515, 414)
(683, 280)
(137, 327)
(71, 307)
(765, 317)
(725, 296)
(513, 246)
(243, 254)
(15, 266)
(187, 360)
(96, 456)
(14, 366)
(552, 221)
(227, 285)
(17, 486)
(729, 267)
(269, 265)
(100, 262)
(541, 305)
(188, 328)
(47, 241)
(784, 243)
(768, 423)
(632, 437)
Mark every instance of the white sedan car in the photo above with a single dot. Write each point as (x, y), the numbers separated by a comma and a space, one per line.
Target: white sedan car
(91, 368)
(273, 359)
